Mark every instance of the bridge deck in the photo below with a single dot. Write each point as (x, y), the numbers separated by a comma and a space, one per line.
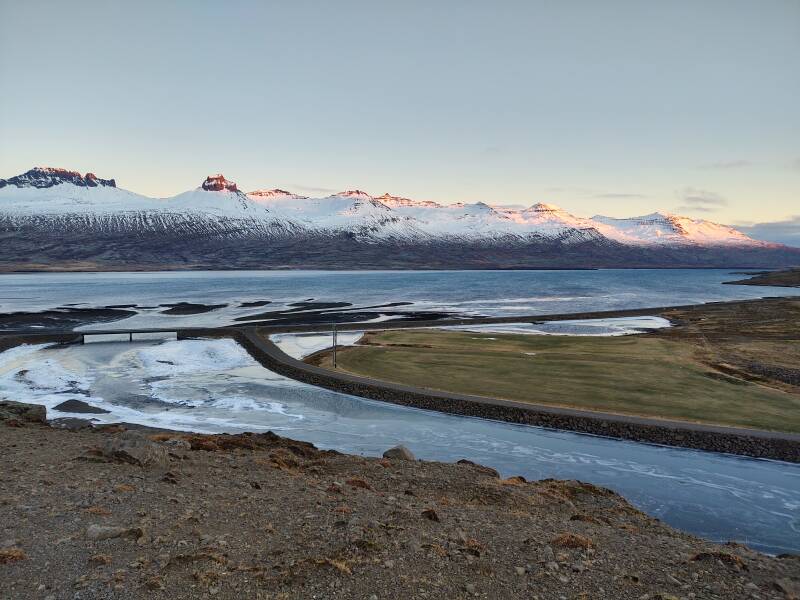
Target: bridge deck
(269, 327)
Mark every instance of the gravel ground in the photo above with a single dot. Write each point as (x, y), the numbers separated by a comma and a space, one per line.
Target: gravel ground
(110, 513)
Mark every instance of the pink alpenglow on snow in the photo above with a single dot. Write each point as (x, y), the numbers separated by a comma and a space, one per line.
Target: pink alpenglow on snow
(47, 191)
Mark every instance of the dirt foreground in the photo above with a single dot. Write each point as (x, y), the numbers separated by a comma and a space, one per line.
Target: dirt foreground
(110, 513)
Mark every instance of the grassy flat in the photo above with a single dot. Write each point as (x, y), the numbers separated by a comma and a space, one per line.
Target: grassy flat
(643, 375)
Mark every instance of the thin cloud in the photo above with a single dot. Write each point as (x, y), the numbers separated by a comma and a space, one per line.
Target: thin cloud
(695, 200)
(783, 232)
(620, 195)
(697, 209)
(492, 151)
(573, 191)
(509, 206)
(321, 190)
(795, 164)
(726, 165)
(592, 193)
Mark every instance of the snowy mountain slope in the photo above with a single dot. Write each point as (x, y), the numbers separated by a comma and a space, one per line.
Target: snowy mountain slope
(547, 220)
(88, 199)
(272, 195)
(480, 221)
(44, 190)
(353, 212)
(661, 229)
(49, 216)
(216, 208)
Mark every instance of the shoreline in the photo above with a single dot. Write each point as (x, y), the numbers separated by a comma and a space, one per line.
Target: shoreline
(729, 440)
(254, 339)
(164, 269)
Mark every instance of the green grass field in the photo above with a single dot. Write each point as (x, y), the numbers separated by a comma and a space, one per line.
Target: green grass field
(641, 375)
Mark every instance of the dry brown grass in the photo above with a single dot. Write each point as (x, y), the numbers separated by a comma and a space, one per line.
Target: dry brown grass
(9, 555)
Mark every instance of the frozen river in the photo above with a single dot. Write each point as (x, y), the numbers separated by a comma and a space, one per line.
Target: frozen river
(215, 386)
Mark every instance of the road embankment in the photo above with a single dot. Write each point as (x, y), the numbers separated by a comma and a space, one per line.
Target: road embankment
(745, 442)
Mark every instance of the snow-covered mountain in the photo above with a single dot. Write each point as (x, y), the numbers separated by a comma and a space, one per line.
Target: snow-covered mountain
(51, 213)
(352, 212)
(661, 229)
(47, 177)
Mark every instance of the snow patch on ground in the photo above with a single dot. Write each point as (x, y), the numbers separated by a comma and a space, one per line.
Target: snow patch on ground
(577, 327)
(186, 357)
(33, 373)
(194, 376)
(300, 345)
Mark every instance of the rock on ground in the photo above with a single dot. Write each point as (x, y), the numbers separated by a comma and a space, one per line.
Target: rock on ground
(79, 406)
(399, 453)
(132, 447)
(28, 413)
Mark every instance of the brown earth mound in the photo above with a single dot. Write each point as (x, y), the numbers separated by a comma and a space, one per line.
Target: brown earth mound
(260, 516)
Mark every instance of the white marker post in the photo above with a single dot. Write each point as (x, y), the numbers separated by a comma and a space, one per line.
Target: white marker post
(334, 345)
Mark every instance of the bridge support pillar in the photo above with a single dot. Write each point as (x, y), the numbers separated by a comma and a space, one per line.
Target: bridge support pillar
(130, 336)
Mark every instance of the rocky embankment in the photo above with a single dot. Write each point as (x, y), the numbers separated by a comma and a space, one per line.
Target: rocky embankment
(116, 513)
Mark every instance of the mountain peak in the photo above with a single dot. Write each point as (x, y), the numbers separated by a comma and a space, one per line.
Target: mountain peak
(46, 177)
(399, 201)
(275, 193)
(354, 194)
(544, 207)
(218, 183)
(389, 197)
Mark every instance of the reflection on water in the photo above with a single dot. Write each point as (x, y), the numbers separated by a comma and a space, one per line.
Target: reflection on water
(214, 386)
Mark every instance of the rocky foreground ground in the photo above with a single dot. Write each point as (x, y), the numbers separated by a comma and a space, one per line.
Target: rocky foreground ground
(116, 513)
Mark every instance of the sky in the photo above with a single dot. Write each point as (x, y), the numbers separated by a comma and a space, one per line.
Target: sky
(619, 108)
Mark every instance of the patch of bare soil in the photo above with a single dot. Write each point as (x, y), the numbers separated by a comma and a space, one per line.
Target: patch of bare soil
(110, 513)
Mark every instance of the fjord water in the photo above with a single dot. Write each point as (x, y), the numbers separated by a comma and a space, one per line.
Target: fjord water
(492, 293)
(215, 386)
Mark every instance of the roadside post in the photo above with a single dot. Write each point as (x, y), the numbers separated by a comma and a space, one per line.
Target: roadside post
(334, 345)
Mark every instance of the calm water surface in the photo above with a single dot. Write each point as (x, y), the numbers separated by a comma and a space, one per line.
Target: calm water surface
(494, 293)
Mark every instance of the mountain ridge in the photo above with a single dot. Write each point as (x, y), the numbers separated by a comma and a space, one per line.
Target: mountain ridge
(55, 216)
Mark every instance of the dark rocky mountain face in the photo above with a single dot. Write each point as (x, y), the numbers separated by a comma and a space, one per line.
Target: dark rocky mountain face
(46, 177)
(111, 245)
(218, 183)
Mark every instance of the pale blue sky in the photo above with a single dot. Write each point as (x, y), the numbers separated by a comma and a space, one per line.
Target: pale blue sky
(615, 107)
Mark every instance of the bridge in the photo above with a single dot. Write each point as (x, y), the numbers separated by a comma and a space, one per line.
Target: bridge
(268, 327)
(254, 338)
(72, 336)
